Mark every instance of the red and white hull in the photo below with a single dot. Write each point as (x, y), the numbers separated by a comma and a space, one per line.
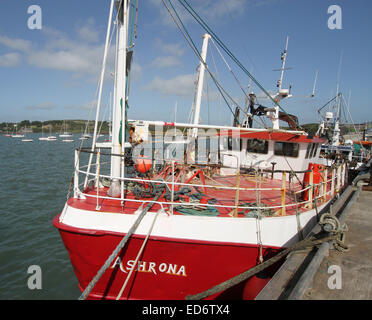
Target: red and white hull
(184, 254)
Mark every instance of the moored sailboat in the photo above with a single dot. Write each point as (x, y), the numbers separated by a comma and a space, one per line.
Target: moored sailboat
(65, 133)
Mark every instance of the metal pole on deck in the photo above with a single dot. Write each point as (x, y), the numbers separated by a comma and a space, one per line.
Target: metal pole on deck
(119, 101)
(100, 91)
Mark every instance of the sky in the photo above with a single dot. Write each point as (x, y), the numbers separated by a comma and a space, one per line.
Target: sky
(52, 73)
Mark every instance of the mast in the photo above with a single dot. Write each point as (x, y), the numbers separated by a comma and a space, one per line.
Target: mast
(284, 57)
(316, 77)
(175, 118)
(110, 123)
(336, 130)
(206, 37)
(117, 164)
(282, 93)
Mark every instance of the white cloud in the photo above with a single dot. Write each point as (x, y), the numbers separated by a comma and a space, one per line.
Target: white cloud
(210, 10)
(9, 59)
(42, 106)
(15, 44)
(78, 60)
(172, 53)
(84, 106)
(136, 71)
(175, 49)
(79, 55)
(165, 62)
(183, 85)
(213, 10)
(88, 31)
(61, 52)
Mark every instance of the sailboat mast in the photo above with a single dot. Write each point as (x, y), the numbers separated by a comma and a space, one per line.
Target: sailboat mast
(119, 99)
(206, 37)
(336, 131)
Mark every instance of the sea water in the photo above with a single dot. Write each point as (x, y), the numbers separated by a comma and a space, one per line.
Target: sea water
(34, 182)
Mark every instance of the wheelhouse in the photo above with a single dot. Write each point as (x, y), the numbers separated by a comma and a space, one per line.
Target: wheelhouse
(270, 150)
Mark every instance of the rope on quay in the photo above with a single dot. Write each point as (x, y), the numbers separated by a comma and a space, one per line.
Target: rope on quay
(120, 246)
(337, 237)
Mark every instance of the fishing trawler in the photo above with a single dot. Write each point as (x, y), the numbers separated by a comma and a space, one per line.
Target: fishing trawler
(148, 223)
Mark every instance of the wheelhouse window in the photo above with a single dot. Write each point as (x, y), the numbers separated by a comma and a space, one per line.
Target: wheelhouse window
(315, 149)
(234, 144)
(313, 145)
(287, 149)
(308, 150)
(257, 146)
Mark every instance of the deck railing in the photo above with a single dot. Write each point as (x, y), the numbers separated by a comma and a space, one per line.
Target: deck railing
(333, 177)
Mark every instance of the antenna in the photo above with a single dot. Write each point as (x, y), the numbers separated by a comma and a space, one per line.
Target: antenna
(284, 57)
(339, 73)
(316, 77)
(249, 85)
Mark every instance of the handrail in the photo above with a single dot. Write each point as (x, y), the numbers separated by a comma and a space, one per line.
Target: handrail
(97, 175)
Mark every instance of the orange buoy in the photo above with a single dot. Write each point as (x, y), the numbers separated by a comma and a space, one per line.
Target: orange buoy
(143, 164)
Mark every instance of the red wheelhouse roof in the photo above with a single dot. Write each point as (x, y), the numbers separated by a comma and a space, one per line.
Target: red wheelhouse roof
(272, 135)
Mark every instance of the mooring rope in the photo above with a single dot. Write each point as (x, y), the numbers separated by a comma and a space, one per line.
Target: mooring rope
(138, 256)
(310, 242)
(120, 246)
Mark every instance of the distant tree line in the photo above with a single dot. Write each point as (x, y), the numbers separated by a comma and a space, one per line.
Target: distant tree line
(73, 126)
(78, 126)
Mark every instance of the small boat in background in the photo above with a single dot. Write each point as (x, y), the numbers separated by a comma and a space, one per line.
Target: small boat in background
(50, 137)
(42, 138)
(65, 134)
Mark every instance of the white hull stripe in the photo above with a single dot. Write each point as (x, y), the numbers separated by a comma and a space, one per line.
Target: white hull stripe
(275, 231)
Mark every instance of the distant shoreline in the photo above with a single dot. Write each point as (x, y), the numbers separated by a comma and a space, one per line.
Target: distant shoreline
(55, 126)
(79, 126)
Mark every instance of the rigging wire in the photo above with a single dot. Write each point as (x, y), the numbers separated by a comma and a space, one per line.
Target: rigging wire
(217, 83)
(355, 129)
(195, 15)
(228, 67)
(218, 76)
(98, 84)
(186, 35)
